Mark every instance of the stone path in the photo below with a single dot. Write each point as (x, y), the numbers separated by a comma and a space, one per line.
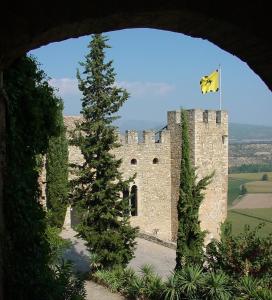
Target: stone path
(162, 259)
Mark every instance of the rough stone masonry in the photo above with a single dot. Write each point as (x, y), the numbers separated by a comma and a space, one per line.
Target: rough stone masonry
(156, 161)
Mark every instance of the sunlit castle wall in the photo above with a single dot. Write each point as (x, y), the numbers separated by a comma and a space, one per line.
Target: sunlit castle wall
(150, 160)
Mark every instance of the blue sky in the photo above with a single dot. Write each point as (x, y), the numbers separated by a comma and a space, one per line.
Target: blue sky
(161, 70)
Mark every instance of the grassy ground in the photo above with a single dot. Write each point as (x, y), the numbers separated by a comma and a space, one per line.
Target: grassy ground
(251, 176)
(240, 217)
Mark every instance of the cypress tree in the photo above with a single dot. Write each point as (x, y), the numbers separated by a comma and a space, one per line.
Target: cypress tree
(57, 173)
(190, 238)
(98, 187)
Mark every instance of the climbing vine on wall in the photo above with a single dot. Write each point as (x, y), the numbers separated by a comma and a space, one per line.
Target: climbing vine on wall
(32, 111)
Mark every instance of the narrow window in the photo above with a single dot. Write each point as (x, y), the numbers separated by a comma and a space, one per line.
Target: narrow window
(155, 161)
(126, 199)
(133, 161)
(134, 200)
(224, 139)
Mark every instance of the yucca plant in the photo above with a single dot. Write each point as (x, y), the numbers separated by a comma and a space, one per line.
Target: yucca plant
(152, 283)
(252, 288)
(264, 294)
(172, 288)
(135, 289)
(217, 286)
(95, 261)
(190, 279)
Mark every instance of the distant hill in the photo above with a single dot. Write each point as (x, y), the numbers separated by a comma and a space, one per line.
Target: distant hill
(237, 132)
(249, 133)
(138, 125)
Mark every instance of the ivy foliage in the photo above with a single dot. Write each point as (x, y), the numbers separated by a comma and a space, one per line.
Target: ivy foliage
(57, 174)
(31, 115)
(98, 186)
(190, 237)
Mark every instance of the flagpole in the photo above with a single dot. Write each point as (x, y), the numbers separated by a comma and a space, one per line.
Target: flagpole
(220, 87)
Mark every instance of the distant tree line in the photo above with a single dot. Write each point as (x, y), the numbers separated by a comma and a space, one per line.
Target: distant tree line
(251, 168)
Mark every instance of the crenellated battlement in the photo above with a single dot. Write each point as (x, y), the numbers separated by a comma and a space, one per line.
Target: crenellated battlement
(146, 137)
(218, 117)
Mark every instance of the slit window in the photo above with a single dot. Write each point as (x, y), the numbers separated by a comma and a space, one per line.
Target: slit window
(205, 116)
(134, 200)
(218, 117)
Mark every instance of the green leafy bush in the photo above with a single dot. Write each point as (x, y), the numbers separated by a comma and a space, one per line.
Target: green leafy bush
(246, 254)
(57, 244)
(68, 285)
(243, 190)
(265, 177)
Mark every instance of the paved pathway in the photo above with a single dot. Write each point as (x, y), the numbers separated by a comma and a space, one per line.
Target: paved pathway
(162, 259)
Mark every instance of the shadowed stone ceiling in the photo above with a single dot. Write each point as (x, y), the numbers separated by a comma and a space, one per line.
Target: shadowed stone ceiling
(242, 30)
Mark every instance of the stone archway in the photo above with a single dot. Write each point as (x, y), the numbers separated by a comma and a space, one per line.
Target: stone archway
(241, 29)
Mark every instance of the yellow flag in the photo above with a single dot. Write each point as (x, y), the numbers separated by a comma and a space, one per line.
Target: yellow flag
(210, 83)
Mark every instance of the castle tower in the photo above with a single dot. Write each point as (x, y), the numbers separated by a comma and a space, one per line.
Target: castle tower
(208, 132)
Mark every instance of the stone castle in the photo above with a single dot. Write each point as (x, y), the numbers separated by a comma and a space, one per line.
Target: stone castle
(156, 161)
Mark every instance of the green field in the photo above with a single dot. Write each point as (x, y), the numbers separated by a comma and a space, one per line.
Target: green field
(252, 181)
(240, 217)
(251, 176)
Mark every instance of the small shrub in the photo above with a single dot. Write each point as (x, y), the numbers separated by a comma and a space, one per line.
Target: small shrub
(243, 190)
(265, 177)
(57, 244)
(69, 286)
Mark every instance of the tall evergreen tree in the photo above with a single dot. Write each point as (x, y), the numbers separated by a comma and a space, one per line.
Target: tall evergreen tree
(98, 187)
(57, 173)
(190, 238)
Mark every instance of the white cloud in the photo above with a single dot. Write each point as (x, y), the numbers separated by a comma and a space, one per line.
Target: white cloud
(145, 89)
(65, 86)
(69, 87)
